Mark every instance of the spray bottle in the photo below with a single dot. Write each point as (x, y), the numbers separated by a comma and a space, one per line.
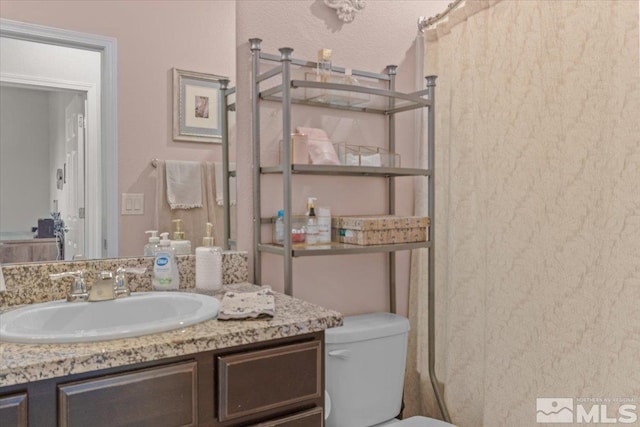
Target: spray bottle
(312, 222)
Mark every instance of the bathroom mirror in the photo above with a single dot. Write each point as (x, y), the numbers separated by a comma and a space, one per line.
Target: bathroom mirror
(43, 176)
(57, 143)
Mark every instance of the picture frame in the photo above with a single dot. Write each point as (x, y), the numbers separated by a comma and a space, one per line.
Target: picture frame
(197, 106)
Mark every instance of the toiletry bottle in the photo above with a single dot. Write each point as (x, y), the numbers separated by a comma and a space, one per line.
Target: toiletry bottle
(279, 229)
(208, 263)
(312, 222)
(153, 241)
(165, 267)
(178, 243)
(324, 65)
(324, 225)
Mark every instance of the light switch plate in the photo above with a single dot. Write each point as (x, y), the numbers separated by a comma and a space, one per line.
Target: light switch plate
(132, 204)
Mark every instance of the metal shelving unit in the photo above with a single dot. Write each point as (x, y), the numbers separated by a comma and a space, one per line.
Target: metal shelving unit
(228, 106)
(384, 101)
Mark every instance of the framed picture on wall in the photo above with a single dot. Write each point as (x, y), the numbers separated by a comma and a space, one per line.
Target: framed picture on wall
(197, 106)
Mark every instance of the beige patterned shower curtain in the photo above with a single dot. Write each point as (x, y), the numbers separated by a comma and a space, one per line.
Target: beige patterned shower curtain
(537, 210)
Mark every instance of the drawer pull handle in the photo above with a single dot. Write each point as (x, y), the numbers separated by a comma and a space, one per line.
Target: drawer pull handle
(341, 354)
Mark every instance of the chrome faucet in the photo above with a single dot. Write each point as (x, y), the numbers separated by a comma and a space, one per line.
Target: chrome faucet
(78, 289)
(103, 288)
(106, 287)
(121, 288)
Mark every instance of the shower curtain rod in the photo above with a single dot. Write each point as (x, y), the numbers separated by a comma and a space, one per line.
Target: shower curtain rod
(424, 22)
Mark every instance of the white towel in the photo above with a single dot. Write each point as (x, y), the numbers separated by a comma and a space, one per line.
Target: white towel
(184, 184)
(217, 166)
(247, 305)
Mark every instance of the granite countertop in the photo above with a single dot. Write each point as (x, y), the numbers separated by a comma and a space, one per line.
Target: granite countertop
(21, 363)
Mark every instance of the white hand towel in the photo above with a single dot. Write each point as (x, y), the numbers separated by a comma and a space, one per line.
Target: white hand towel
(219, 187)
(184, 184)
(247, 305)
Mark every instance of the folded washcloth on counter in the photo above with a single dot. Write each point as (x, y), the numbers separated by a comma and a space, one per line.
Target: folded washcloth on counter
(247, 305)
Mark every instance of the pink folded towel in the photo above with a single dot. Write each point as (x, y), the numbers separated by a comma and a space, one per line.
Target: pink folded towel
(313, 133)
(321, 151)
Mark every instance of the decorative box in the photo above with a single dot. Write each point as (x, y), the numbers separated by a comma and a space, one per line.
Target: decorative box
(379, 229)
(362, 155)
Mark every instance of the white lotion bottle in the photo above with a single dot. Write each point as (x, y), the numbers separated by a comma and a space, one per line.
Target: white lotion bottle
(324, 225)
(208, 263)
(165, 267)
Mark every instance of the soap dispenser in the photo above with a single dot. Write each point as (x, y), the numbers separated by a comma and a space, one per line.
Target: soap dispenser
(165, 267)
(208, 263)
(312, 222)
(178, 243)
(153, 241)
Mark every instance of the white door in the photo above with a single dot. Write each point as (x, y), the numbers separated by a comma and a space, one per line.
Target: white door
(73, 210)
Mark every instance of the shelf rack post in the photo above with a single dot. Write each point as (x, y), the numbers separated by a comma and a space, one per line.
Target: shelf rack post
(392, 71)
(255, 137)
(431, 150)
(286, 165)
(224, 85)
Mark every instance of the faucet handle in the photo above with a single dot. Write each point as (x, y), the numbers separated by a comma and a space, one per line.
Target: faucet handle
(77, 290)
(121, 289)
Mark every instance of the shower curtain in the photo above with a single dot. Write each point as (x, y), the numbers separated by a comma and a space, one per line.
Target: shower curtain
(537, 211)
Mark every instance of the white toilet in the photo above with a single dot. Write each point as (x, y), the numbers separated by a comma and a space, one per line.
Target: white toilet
(365, 362)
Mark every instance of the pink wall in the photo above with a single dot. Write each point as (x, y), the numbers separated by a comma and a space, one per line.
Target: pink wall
(382, 34)
(153, 38)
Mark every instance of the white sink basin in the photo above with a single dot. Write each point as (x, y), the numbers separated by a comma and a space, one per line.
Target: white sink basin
(140, 314)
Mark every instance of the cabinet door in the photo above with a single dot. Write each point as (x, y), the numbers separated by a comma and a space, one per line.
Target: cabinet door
(13, 410)
(257, 381)
(311, 418)
(163, 396)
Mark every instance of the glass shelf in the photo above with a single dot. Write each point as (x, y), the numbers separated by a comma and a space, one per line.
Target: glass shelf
(337, 170)
(340, 249)
(336, 95)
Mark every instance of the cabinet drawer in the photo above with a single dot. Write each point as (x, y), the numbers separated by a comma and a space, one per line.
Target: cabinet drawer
(163, 396)
(311, 418)
(13, 410)
(252, 382)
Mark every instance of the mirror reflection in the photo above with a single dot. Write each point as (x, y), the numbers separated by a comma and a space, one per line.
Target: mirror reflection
(64, 195)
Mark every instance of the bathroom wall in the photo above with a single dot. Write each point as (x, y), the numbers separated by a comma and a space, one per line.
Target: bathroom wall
(152, 37)
(381, 34)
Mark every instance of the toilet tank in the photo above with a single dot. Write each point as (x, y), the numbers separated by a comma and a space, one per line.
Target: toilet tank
(364, 364)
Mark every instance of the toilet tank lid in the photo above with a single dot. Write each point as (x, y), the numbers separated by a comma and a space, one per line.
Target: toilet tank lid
(366, 327)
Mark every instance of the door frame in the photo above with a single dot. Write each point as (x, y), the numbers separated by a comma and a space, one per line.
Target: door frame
(104, 233)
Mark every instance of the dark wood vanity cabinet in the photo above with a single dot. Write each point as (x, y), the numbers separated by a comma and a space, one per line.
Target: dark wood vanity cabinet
(13, 410)
(277, 383)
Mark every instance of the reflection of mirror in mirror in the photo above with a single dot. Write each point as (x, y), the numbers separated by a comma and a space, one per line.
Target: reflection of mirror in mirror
(144, 106)
(52, 150)
(42, 141)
